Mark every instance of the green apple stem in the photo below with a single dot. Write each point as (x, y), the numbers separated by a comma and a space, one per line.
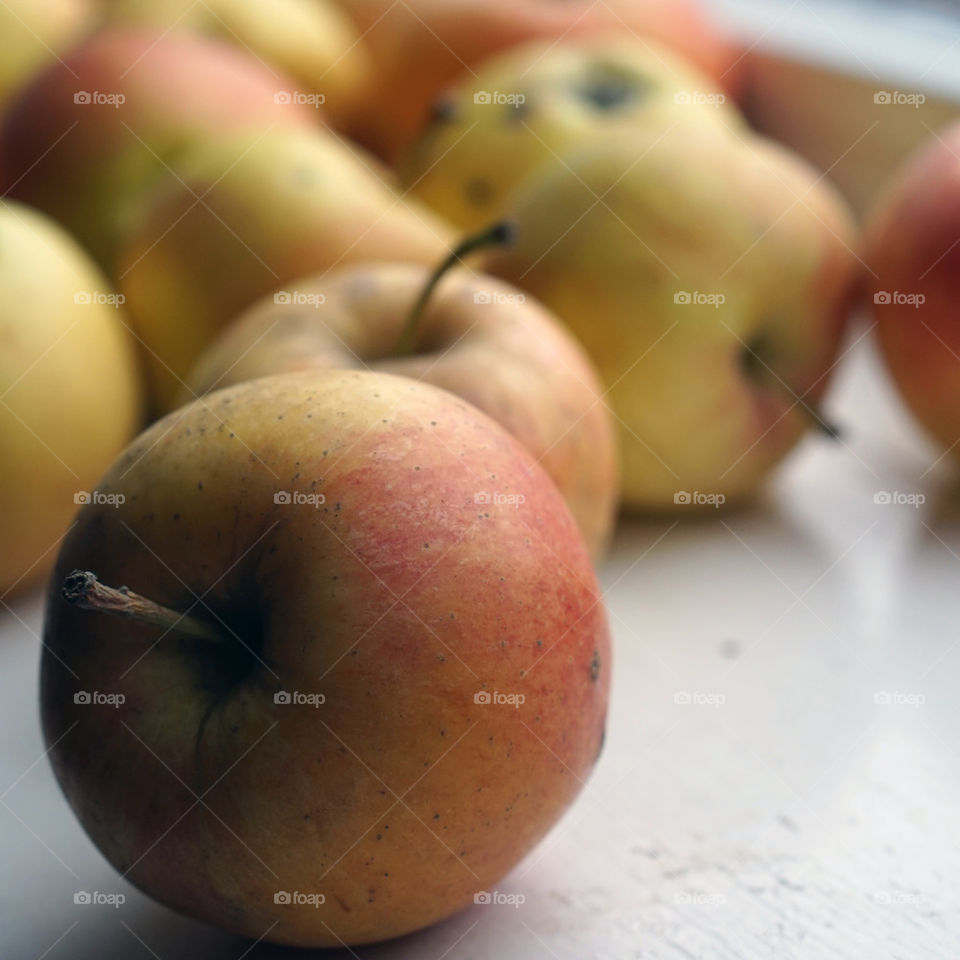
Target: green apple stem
(498, 235)
(82, 589)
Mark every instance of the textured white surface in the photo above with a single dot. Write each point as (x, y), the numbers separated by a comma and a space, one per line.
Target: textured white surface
(800, 818)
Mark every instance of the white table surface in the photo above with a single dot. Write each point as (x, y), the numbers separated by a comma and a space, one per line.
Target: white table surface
(798, 819)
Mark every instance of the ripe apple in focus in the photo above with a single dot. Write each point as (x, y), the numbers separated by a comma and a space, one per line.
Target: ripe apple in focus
(323, 534)
(274, 207)
(913, 252)
(69, 387)
(476, 337)
(70, 146)
(709, 278)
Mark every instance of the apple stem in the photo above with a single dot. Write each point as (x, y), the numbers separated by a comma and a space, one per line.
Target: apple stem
(498, 235)
(755, 369)
(826, 427)
(82, 589)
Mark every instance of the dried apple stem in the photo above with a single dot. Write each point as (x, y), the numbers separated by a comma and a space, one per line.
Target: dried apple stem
(498, 235)
(82, 589)
(827, 427)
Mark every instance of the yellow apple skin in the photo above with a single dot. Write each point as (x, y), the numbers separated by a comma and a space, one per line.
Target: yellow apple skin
(293, 204)
(92, 166)
(33, 33)
(420, 48)
(705, 392)
(398, 599)
(69, 392)
(313, 41)
(476, 153)
(479, 338)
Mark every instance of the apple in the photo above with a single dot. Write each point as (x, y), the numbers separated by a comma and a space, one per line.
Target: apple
(709, 277)
(69, 393)
(272, 207)
(479, 338)
(528, 106)
(446, 41)
(87, 140)
(34, 33)
(359, 668)
(911, 243)
(312, 41)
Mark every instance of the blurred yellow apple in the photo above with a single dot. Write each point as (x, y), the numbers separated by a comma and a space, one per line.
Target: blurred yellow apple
(69, 393)
(527, 107)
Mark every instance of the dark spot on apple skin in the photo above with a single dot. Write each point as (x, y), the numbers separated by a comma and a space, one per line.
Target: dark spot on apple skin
(478, 191)
(595, 666)
(518, 113)
(443, 109)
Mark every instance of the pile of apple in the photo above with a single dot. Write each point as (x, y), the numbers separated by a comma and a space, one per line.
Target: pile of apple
(416, 296)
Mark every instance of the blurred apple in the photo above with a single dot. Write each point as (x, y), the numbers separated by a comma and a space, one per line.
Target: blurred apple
(530, 105)
(421, 47)
(914, 256)
(312, 41)
(384, 684)
(274, 207)
(476, 337)
(709, 277)
(35, 32)
(69, 393)
(87, 140)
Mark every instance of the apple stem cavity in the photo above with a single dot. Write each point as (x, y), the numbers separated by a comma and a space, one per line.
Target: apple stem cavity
(82, 589)
(499, 235)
